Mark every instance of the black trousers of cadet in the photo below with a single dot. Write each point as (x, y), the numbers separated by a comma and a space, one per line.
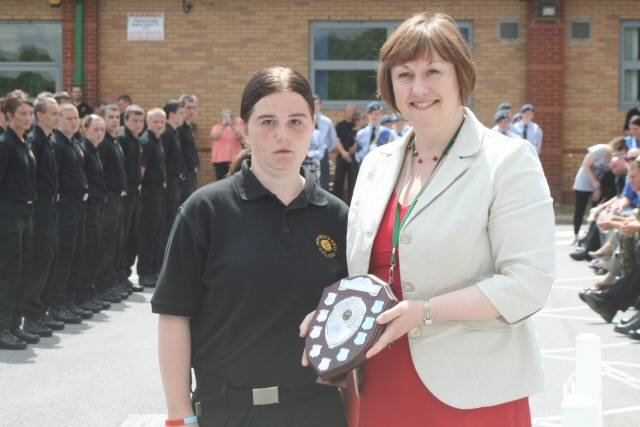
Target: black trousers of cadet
(189, 185)
(16, 236)
(108, 268)
(45, 247)
(152, 216)
(344, 170)
(92, 251)
(173, 202)
(128, 249)
(71, 219)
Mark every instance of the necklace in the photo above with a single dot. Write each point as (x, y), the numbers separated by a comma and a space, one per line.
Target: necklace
(435, 158)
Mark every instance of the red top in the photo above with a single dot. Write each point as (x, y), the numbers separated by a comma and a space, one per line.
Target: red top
(392, 392)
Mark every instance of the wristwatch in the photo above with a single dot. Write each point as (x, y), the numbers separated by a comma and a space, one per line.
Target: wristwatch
(426, 318)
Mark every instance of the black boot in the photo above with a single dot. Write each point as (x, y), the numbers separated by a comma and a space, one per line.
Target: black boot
(24, 335)
(91, 306)
(63, 315)
(49, 321)
(84, 314)
(8, 341)
(33, 326)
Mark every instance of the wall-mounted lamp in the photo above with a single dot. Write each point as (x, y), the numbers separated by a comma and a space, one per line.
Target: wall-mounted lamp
(547, 10)
(187, 5)
(55, 3)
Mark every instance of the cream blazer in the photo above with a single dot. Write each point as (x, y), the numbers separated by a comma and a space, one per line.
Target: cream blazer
(486, 219)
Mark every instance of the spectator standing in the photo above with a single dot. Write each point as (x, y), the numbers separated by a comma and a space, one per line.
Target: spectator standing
(189, 146)
(326, 137)
(633, 139)
(528, 129)
(503, 124)
(226, 143)
(123, 102)
(346, 166)
(84, 109)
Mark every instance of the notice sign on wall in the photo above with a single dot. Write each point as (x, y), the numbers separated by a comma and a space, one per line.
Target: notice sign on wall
(146, 26)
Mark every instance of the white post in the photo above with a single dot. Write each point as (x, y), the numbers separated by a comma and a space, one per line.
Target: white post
(583, 406)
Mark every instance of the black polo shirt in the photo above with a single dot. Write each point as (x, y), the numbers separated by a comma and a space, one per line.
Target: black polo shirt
(189, 147)
(17, 169)
(132, 150)
(155, 172)
(173, 152)
(95, 173)
(346, 131)
(247, 269)
(72, 178)
(47, 168)
(113, 164)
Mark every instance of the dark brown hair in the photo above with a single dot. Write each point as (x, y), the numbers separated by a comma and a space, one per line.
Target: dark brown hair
(420, 37)
(635, 120)
(618, 144)
(273, 80)
(13, 100)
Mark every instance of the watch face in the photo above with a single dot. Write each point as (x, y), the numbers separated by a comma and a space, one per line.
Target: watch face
(344, 321)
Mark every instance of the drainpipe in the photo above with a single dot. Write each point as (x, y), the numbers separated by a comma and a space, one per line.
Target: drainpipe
(78, 77)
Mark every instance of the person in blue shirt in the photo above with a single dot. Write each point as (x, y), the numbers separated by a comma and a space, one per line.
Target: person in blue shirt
(374, 134)
(633, 139)
(323, 140)
(528, 129)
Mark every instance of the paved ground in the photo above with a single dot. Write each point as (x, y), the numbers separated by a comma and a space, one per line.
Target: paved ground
(105, 371)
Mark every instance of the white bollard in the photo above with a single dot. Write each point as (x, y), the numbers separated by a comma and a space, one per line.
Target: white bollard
(582, 403)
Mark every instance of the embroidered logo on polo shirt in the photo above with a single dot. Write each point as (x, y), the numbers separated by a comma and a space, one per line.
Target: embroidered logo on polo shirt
(326, 245)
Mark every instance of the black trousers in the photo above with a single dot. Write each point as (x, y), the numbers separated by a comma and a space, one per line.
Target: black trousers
(92, 251)
(108, 268)
(625, 291)
(71, 217)
(189, 185)
(325, 171)
(45, 247)
(16, 236)
(222, 405)
(152, 217)
(221, 169)
(172, 204)
(582, 199)
(345, 170)
(128, 249)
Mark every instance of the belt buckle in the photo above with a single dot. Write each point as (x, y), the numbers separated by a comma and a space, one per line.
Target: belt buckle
(85, 197)
(58, 197)
(265, 396)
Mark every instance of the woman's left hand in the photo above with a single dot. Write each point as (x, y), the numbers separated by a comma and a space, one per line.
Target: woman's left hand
(400, 319)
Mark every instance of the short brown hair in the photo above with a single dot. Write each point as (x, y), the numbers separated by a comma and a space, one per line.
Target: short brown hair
(134, 110)
(13, 100)
(422, 36)
(618, 144)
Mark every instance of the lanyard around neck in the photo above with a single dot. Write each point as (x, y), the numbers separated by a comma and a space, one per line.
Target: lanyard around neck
(399, 225)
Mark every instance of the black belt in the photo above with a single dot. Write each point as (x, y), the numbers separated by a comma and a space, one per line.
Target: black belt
(210, 389)
(53, 198)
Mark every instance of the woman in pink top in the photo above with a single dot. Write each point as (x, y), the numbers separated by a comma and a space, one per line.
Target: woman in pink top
(226, 143)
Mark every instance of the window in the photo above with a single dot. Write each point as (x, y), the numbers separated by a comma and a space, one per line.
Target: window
(509, 31)
(344, 59)
(580, 30)
(630, 64)
(30, 56)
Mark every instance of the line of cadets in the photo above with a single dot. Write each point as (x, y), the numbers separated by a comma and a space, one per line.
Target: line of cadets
(77, 207)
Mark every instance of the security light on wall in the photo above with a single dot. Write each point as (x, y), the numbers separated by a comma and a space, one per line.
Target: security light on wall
(547, 10)
(54, 3)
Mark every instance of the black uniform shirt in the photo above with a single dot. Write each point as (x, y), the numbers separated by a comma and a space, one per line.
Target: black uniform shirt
(189, 147)
(113, 164)
(84, 109)
(17, 169)
(247, 269)
(132, 150)
(346, 132)
(172, 152)
(95, 174)
(47, 170)
(72, 177)
(155, 172)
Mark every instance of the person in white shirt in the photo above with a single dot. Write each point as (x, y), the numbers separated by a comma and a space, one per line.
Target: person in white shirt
(528, 129)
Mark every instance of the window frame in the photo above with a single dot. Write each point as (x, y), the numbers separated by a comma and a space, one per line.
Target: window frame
(580, 21)
(626, 65)
(509, 21)
(55, 67)
(355, 65)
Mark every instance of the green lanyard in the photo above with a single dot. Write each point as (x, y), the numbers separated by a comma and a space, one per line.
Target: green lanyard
(397, 225)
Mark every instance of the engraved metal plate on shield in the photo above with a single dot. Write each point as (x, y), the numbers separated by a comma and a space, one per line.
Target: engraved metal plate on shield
(344, 321)
(368, 323)
(324, 364)
(315, 350)
(360, 284)
(315, 332)
(360, 338)
(322, 315)
(342, 355)
(331, 298)
(377, 306)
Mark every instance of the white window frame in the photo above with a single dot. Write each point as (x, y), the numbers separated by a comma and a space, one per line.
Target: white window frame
(627, 65)
(55, 67)
(349, 65)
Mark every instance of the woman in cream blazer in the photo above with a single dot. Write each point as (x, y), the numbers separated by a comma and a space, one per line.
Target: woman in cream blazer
(476, 252)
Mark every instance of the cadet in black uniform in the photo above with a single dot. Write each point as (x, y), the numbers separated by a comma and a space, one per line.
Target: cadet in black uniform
(94, 131)
(132, 149)
(72, 181)
(152, 199)
(174, 161)
(17, 194)
(45, 218)
(189, 146)
(113, 161)
(248, 258)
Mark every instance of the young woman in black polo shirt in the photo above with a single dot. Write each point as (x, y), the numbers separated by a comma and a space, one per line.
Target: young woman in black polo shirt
(17, 194)
(248, 257)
